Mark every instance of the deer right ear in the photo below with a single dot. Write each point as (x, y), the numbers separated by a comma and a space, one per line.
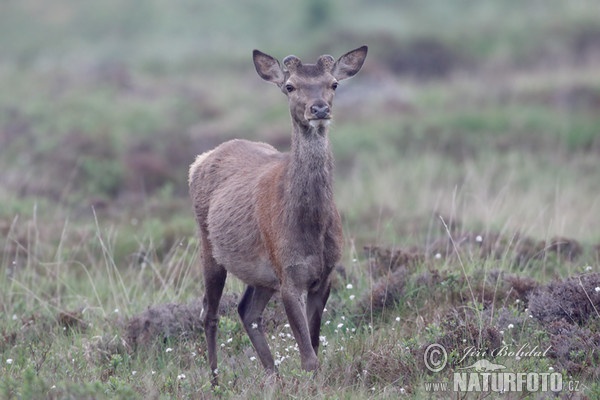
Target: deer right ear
(268, 67)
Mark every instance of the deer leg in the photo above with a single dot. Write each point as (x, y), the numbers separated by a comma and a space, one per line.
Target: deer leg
(214, 281)
(295, 308)
(251, 307)
(315, 304)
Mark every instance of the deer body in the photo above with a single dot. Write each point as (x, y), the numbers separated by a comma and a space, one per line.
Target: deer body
(268, 217)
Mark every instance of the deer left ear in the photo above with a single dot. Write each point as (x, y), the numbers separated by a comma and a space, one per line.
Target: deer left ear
(349, 64)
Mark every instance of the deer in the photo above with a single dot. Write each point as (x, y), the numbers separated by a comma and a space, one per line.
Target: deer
(269, 218)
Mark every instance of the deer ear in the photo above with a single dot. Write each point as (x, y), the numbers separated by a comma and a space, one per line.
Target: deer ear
(349, 64)
(268, 67)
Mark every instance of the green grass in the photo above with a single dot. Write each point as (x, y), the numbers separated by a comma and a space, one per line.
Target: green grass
(104, 106)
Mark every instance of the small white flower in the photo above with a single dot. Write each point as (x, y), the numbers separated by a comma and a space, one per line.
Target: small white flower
(353, 296)
(327, 322)
(254, 325)
(517, 358)
(438, 256)
(510, 326)
(168, 350)
(14, 317)
(272, 337)
(402, 391)
(340, 325)
(286, 326)
(116, 311)
(597, 289)
(517, 301)
(479, 239)
(550, 369)
(349, 286)
(397, 319)
(9, 361)
(133, 372)
(502, 332)
(180, 377)
(354, 260)
(194, 354)
(343, 318)
(325, 309)
(252, 358)
(222, 344)
(153, 372)
(229, 340)
(53, 387)
(588, 268)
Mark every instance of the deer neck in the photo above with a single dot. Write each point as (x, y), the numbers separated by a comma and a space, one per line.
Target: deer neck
(309, 189)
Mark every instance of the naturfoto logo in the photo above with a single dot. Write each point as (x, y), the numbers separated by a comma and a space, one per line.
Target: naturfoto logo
(483, 375)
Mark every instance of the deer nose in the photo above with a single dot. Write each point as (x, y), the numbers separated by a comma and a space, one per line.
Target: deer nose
(320, 110)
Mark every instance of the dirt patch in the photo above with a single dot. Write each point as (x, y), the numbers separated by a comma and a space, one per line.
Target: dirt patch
(386, 292)
(171, 321)
(72, 321)
(382, 261)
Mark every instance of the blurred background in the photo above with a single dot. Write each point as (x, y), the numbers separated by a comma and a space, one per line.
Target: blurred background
(484, 111)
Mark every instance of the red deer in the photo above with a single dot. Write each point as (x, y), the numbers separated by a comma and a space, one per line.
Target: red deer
(268, 217)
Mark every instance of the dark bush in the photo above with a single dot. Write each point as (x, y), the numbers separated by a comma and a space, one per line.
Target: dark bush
(575, 300)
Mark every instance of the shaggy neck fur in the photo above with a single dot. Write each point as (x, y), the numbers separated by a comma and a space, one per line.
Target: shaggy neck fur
(309, 179)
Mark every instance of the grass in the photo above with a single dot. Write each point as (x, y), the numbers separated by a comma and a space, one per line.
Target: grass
(492, 131)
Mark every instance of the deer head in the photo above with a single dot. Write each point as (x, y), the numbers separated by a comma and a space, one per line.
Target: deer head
(310, 88)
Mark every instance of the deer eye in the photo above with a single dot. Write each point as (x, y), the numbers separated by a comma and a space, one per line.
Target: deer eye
(334, 85)
(289, 88)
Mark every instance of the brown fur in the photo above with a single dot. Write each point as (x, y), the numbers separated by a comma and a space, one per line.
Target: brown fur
(268, 217)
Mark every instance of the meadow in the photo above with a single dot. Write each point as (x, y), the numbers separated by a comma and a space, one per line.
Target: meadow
(467, 175)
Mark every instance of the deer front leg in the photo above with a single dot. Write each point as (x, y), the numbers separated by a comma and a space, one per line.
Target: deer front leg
(294, 302)
(315, 305)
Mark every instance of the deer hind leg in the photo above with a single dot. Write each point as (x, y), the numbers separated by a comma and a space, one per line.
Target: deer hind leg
(251, 307)
(315, 304)
(214, 282)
